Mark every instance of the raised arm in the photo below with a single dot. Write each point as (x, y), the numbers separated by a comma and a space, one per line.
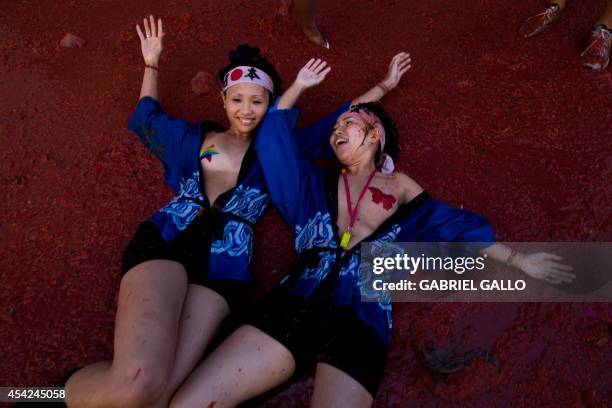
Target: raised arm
(312, 140)
(311, 74)
(151, 46)
(399, 65)
(162, 134)
(288, 175)
(286, 172)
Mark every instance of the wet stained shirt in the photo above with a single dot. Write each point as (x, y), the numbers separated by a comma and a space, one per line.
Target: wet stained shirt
(176, 143)
(306, 197)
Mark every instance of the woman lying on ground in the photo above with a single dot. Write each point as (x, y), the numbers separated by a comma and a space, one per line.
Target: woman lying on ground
(316, 314)
(188, 265)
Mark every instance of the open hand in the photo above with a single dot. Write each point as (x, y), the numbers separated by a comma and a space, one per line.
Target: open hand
(399, 65)
(312, 74)
(151, 40)
(542, 265)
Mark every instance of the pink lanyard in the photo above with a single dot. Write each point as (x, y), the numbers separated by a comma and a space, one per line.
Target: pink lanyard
(352, 212)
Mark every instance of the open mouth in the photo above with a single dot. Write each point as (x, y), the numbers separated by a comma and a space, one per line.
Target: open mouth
(340, 141)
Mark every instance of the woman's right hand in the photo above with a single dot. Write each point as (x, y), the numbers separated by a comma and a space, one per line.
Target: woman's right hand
(312, 74)
(151, 40)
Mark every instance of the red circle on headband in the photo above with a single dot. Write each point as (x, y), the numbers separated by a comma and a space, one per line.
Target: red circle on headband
(236, 74)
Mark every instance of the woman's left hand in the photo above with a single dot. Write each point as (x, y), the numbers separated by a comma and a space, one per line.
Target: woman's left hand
(312, 74)
(542, 265)
(399, 65)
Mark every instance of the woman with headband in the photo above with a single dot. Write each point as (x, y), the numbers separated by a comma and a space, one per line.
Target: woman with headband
(316, 317)
(191, 392)
(188, 265)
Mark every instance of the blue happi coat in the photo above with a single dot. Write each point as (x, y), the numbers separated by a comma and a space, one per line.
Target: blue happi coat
(306, 196)
(176, 143)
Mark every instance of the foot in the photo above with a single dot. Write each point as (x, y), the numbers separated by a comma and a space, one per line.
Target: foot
(597, 54)
(540, 22)
(314, 35)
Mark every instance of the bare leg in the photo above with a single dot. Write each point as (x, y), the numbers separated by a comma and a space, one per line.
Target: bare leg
(335, 388)
(305, 13)
(246, 364)
(606, 17)
(203, 312)
(151, 297)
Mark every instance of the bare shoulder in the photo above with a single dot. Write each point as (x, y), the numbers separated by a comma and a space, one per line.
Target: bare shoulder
(213, 137)
(407, 187)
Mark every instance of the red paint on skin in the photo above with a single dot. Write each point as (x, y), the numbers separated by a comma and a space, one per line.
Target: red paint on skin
(378, 197)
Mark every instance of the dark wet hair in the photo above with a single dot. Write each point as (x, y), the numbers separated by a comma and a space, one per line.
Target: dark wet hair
(392, 147)
(245, 54)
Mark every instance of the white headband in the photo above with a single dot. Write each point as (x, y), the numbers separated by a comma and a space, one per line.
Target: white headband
(249, 75)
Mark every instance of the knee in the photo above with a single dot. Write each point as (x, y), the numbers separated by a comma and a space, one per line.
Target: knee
(178, 402)
(139, 384)
(184, 399)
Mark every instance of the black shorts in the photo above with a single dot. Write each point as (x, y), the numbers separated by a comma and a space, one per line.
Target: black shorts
(322, 332)
(191, 249)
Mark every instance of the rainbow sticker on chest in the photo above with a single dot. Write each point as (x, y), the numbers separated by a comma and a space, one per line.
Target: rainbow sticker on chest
(208, 152)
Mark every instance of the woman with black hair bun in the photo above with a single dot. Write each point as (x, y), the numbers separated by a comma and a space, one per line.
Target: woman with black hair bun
(188, 265)
(246, 55)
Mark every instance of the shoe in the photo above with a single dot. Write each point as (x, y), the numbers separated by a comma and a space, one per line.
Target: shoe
(538, 23)
(597, 54)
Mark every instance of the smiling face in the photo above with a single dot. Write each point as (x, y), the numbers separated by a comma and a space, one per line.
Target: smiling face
(245, 106)
(353, 140)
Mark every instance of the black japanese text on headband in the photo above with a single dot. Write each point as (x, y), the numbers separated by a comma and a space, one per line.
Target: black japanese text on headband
(248, 75)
